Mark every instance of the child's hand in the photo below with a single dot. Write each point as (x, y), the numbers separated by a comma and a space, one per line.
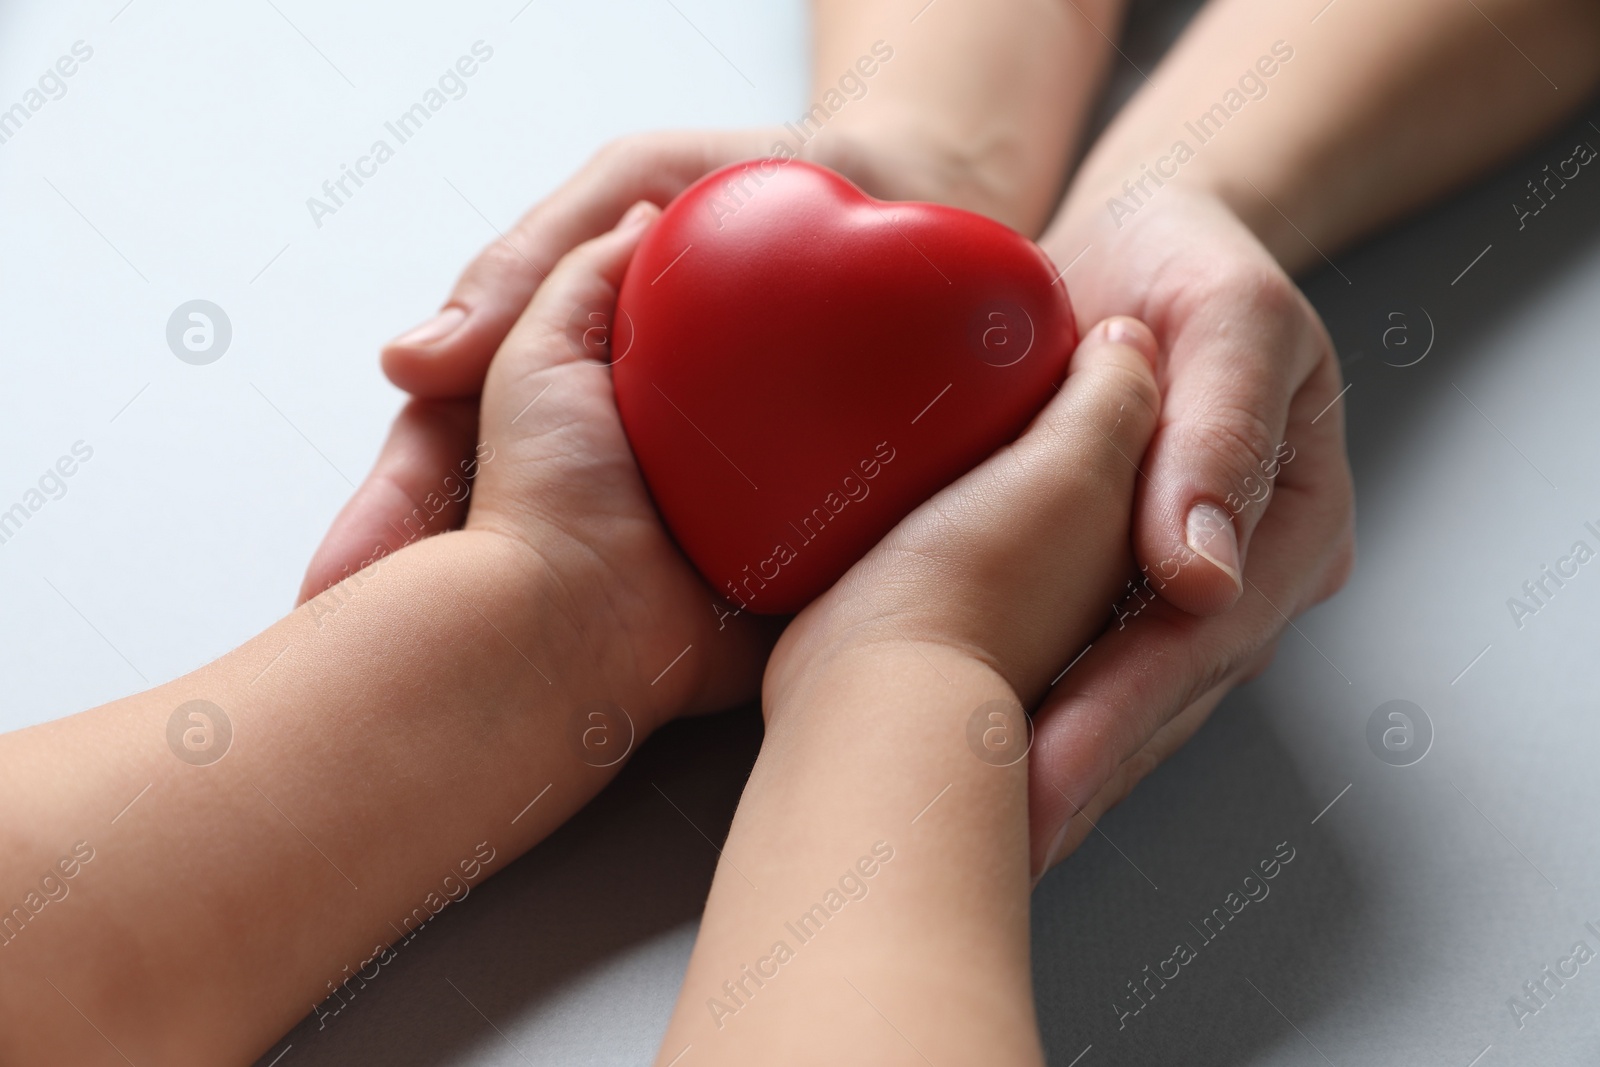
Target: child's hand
(966, 610)
(555, 475)
(442, 362)
(1015, 565)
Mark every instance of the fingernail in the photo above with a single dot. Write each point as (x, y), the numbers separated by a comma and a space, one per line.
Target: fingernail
(636, 216)
(1130, 332)
(440, 326)
(1210, 533)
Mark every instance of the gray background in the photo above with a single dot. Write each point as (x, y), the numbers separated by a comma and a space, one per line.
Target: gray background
(176, 167)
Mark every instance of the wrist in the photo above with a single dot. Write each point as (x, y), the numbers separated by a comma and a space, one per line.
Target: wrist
(1128, 179)
(901, 152)
(821, 656)
(1099, 220)
(558, 626)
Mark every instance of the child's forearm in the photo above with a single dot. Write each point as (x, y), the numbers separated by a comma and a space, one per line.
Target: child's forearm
(1349, 121)
(981, 105)
(379, 750)
(876, 877)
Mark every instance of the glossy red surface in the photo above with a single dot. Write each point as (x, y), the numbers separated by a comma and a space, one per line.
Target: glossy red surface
(800, 366)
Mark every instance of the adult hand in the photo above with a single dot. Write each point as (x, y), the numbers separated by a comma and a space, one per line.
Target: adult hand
(553, 475)
(1245, 509)
(442, 362)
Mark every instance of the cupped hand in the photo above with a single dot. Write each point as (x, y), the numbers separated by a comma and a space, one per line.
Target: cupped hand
(442, 362)
(554, 475)
(1245, 511)
(1013, 564)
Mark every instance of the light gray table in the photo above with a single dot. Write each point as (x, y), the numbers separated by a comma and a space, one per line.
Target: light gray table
(177, 165)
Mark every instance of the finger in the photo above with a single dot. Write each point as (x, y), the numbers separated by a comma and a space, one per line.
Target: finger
(1031, 529)
(1243, 351)
(586, 277)
(1172, 736)
(416, 489)
(448, 355)
(545, 344)
(1152, 664)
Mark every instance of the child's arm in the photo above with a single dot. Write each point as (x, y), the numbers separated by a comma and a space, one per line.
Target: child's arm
(871, 905)
(186, 872)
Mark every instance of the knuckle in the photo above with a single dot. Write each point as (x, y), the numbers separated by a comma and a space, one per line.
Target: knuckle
(498, 261)
(1135, 769)
(1133, 388)
(1258, 664)
(633, 154)
(614, 153)
(1208, 672)
(1236, 439)
(1260, 282)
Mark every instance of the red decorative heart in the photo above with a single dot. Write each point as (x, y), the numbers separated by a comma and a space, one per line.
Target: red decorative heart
(799, 365)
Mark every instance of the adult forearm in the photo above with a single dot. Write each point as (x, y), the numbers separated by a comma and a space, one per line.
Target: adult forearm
(1318, 132)
(344, 775)
(983, 100)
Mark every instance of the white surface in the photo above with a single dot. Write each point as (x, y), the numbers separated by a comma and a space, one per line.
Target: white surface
(1416, 905)
(191, 141)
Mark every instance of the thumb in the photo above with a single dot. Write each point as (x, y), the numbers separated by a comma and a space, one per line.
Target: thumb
(1232, 371)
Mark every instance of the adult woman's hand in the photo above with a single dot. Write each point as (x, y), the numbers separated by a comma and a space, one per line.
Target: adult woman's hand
(1321, 147)
(1245, 508)
(974, 106)
(442, 362)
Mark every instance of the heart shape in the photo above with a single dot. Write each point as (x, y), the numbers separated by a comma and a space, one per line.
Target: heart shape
(798, 366)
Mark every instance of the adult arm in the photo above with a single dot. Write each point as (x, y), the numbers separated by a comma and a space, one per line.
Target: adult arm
(1341, 118)
(1379, 109)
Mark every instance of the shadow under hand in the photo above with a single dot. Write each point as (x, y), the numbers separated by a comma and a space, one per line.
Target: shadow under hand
(1149, 953)
(1405, 311)
(548, 942)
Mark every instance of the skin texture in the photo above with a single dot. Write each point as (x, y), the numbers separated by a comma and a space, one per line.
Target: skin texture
(385, 737)
(1383, 107)
(389, 734)
(380, 730)
(973, 602)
